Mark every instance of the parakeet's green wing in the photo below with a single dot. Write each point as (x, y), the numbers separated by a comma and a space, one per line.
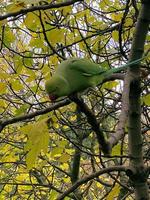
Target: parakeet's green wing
(87, 67)
(84, 66)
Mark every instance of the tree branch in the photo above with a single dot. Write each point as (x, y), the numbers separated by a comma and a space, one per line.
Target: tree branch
(90, 177)
(34, 114)
(131, 107)
(41, 7)
(134, 120)
(93, 122)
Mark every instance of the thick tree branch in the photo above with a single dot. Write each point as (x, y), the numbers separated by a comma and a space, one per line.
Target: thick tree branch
(131, 107)
(134, 120)
(93, 122)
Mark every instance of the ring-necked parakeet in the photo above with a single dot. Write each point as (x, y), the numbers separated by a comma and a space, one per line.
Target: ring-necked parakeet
(77, 74)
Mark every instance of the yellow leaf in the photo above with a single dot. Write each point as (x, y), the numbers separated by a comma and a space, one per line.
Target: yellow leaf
(65, 127)
(66, 179)
(110, 85)
(56, 125)
(46, 71)
(55, 35)
(65, 166)
(67, 10)
(28, 61)
(53, 195)
(15, 7)
(62, 143)
(31, 75)
(81, 45)
(22, 109)
(102, 4)
(3, 88)
(146, 99)
(37, 42)
(57, 151)
(16, 85)
(4, 75)
(38, 139)
(115, 36)
(99, 185)
(69, 151)
(2, 103)
(18, 64)
(26, 129)
(32, 21)
(128, 22)
(64, 158)
(116, 150)
(9, 36)
(31, 157)
(73, 118)
(116, 16)
(73, 107)
(114, 192)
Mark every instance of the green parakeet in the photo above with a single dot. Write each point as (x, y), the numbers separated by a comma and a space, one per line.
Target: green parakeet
(77, 74)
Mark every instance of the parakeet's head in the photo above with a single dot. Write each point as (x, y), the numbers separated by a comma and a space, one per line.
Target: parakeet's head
(51, 88)
(56, 87)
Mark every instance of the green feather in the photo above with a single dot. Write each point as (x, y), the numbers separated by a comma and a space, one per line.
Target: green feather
(75, 75)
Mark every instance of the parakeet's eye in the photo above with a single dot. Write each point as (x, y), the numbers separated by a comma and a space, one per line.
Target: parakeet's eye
(52, 97)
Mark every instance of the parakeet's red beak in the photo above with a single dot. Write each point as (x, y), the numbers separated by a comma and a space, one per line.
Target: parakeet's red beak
(52, 97)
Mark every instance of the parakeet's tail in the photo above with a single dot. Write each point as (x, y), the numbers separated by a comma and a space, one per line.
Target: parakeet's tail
(98, 79)
(123, 67)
